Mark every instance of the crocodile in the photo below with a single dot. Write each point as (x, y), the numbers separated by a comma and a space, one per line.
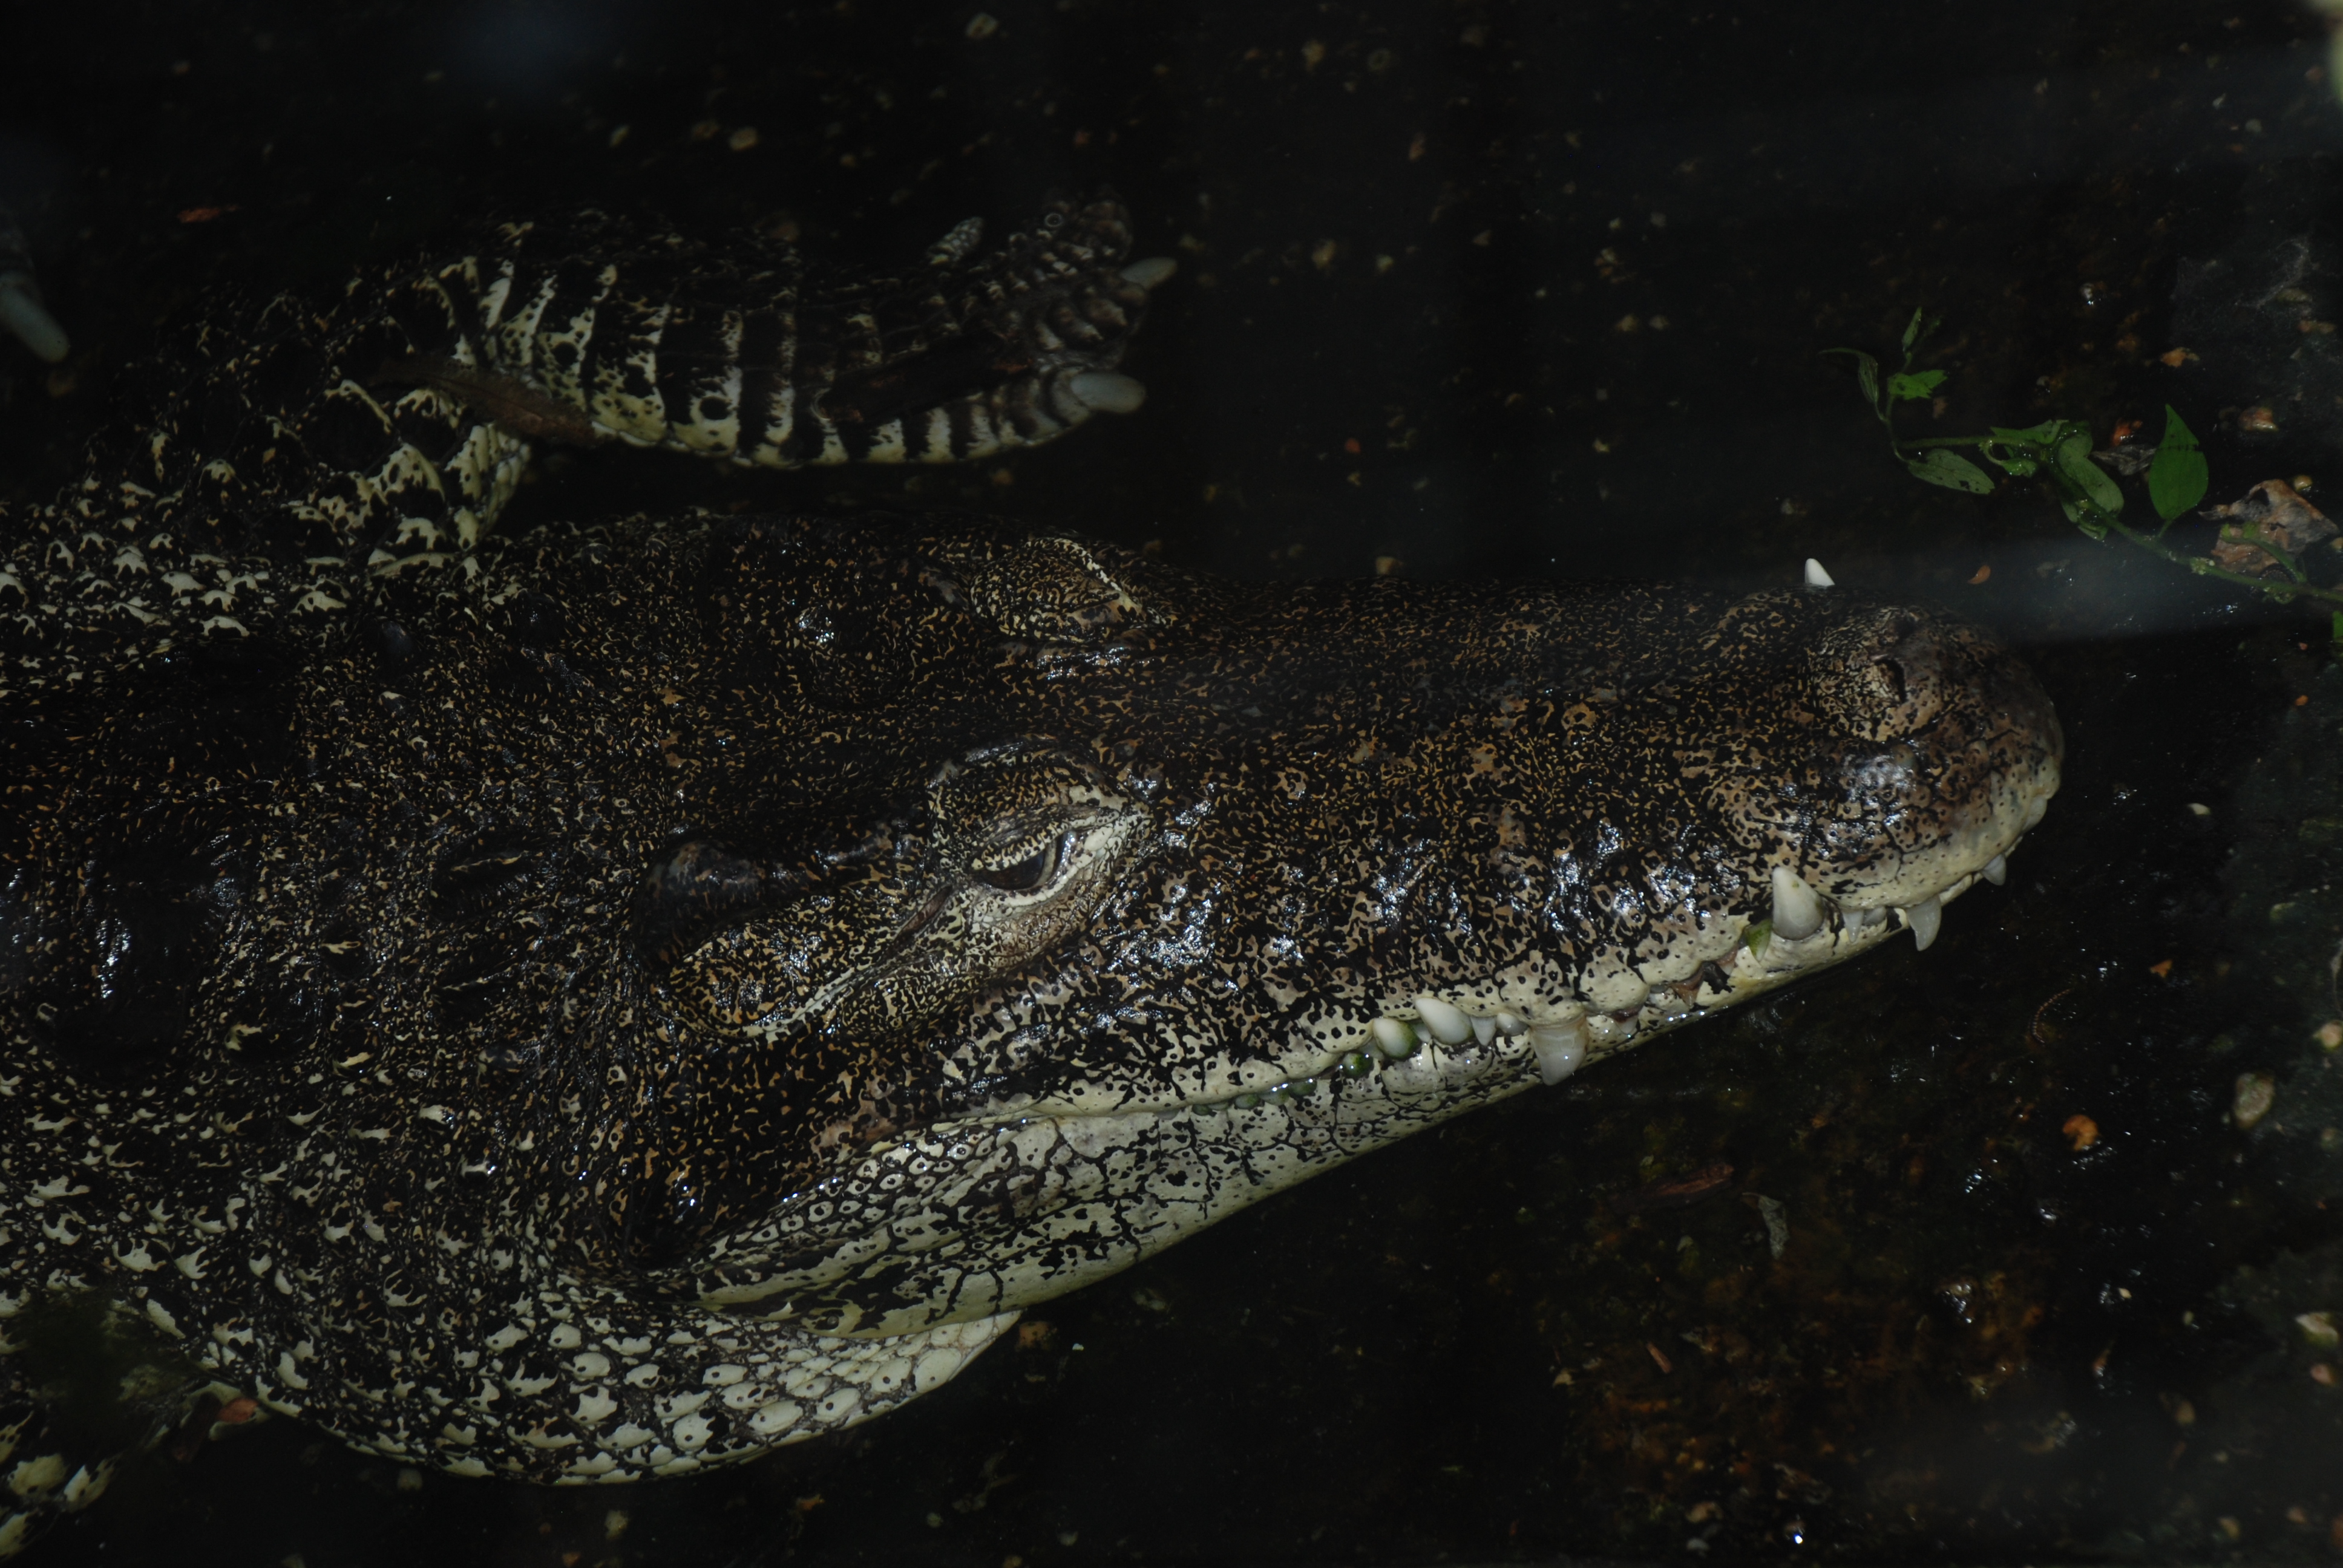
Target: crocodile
(604, 999)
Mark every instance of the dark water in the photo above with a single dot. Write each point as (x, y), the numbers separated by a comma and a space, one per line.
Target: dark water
(1484, 288)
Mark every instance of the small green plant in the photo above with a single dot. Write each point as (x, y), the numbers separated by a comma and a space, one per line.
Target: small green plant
(2059, 453)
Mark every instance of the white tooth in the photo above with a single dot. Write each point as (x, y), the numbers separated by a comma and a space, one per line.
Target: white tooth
(1925, 918)
(1394, 1038)
(1861, 919)
(2033, 809)
(1996, 870)
(1559, 1048)
(1107, 393)
(1611, 1030)
(1510, 1024)
(1484, 1029)
(1816, 576)
(1152, 273)
(1447, 1022)
(22, 313)
(1797, 907)
(1417, 1075)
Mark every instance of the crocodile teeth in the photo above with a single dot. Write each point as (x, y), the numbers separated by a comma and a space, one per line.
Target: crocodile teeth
(22, 313)
(1510, 1024)
(2033, 809)
(1816, 576)
(1925, 918)
(1394, 1038)
(1447, 1021)
(1484, 1029)
(1610, 1029)
(1152, 273)
(1797, 907)
(1106, 392)
(1559, 1048)
(1996, 870)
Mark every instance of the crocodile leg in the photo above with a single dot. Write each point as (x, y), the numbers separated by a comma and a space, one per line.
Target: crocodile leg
(284, 453)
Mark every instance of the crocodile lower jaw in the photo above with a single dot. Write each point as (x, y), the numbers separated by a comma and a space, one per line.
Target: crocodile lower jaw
(1433, 1041)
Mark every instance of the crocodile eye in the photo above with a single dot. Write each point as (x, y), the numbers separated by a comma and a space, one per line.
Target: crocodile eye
(1028, 875)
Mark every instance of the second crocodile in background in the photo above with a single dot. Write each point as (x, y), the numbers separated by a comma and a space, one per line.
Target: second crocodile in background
(605, 1002)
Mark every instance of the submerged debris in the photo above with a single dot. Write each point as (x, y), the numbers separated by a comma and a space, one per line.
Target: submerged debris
(1675, 1192)
(1777, 1224)
(2272, 518)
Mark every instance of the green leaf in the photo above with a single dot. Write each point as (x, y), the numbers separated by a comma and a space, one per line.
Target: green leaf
(1910, 389)
(1914, 331)
(2085, 517)
(2074, 459)
(2015, 462)
(1759, 934)
(2023, 452)
(1951, 471)
(2177, 478)
(1866, 375)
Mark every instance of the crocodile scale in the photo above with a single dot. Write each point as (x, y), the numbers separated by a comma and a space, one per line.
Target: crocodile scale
(284, 453)
(286, 470)
(594, 1002)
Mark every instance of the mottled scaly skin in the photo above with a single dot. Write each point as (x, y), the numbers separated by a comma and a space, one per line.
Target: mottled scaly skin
(286, 465)
(676, 987)
(290, 451)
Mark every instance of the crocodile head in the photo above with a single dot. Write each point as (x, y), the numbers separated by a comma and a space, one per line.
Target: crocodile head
(1036, 905)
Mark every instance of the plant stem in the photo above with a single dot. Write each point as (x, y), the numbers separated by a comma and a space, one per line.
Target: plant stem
(2203, 567)
(2022, 456)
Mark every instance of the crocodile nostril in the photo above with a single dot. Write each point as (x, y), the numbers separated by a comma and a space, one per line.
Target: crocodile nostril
(1886, 674)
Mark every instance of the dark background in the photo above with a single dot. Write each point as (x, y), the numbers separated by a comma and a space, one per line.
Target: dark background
(1487, 289)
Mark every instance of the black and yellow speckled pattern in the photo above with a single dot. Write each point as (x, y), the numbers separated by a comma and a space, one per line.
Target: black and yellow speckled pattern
(658, 990)
(290, 451)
